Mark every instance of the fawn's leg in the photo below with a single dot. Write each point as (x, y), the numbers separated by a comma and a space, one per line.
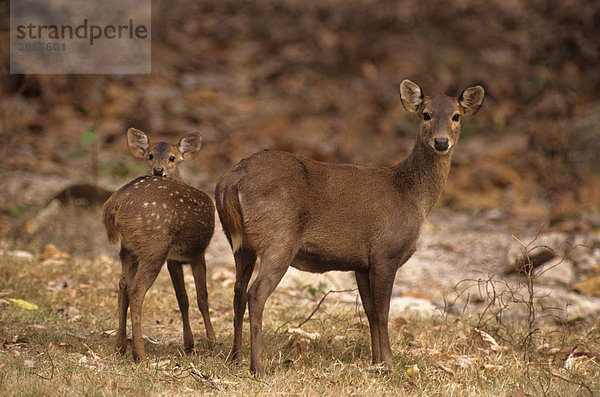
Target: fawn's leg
(199, 272)
(141, 282)
(128, 268)
(176, 273)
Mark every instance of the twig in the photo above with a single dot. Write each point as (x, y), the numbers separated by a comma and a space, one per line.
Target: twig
(320, 303)
(51, 371)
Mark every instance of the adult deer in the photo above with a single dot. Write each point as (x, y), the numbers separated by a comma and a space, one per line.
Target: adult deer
(160, 218)
(293, 211)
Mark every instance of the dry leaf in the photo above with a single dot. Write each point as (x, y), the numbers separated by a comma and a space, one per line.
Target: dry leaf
(304, 334)
(485, 340)
(29, 363)
(109, 332)
(119, 384)
(519, 393)
(561, 355)
(445, 368)
(51, 252)
(225, 277)
(16, 340)
(589, 286)
(492, 367)
(60, 345)
(413, 370)
(23, 304)
(462, 361)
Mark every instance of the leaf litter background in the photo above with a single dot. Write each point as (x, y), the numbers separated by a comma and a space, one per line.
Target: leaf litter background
(321, 79)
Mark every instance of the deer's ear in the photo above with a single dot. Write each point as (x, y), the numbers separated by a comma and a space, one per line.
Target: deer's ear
(137, 142)
(471, 99)
(411, 95)
(189, 146)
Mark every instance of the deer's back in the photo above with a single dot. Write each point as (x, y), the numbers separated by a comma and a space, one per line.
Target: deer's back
(154, 212)
(339, 213)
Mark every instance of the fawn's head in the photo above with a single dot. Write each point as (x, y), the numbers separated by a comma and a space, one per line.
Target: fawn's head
(162, 158)
(441, 115)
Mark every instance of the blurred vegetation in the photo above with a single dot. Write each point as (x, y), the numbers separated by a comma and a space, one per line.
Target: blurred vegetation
(320, 79)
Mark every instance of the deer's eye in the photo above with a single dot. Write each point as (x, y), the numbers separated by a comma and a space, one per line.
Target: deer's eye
(150, 156)
(172, 159)
(426, 116)
(456, 117)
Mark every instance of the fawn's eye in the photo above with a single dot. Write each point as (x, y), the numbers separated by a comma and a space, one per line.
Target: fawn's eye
(456, 117)
(426, 116)
(172, 159)
(150, 156)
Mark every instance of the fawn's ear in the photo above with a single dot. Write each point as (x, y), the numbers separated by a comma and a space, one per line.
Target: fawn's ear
(137, 142)
(189, 146)
(471, 99)
(411, 95)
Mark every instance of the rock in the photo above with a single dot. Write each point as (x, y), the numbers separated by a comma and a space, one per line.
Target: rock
(561, 305)
(537, 250)
(401, 306)
(557, 270)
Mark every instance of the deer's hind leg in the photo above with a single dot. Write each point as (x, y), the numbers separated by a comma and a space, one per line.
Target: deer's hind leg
(140, 283)
(129, 265)
(176, 272)
(199, 272)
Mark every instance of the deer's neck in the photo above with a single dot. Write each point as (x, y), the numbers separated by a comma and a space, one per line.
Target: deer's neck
(423, 175)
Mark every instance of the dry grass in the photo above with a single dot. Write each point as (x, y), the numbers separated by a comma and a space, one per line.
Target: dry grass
(65, 347)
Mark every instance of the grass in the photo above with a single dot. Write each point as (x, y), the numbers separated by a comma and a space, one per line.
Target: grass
(65, 346)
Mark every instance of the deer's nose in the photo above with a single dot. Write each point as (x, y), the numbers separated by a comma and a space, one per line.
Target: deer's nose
(440, 144)
(158, 172)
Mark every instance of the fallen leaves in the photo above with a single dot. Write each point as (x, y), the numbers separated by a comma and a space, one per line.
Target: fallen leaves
(30, 363)
(299, 339)
(485, 341)
(519, 393)
(71, 313)
(51, 252)
(173, 371)
(23, 304)
(224, 276)
(15, 341)
(484, 358)
(589, 286)
(300, 333)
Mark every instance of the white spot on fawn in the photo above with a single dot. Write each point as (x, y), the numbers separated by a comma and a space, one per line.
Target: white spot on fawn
(164, 205)
(145, 205)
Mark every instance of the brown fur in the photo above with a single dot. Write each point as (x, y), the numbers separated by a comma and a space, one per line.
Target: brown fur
(158, 219)
(110, 222)
(232, 215)
(318, 216)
